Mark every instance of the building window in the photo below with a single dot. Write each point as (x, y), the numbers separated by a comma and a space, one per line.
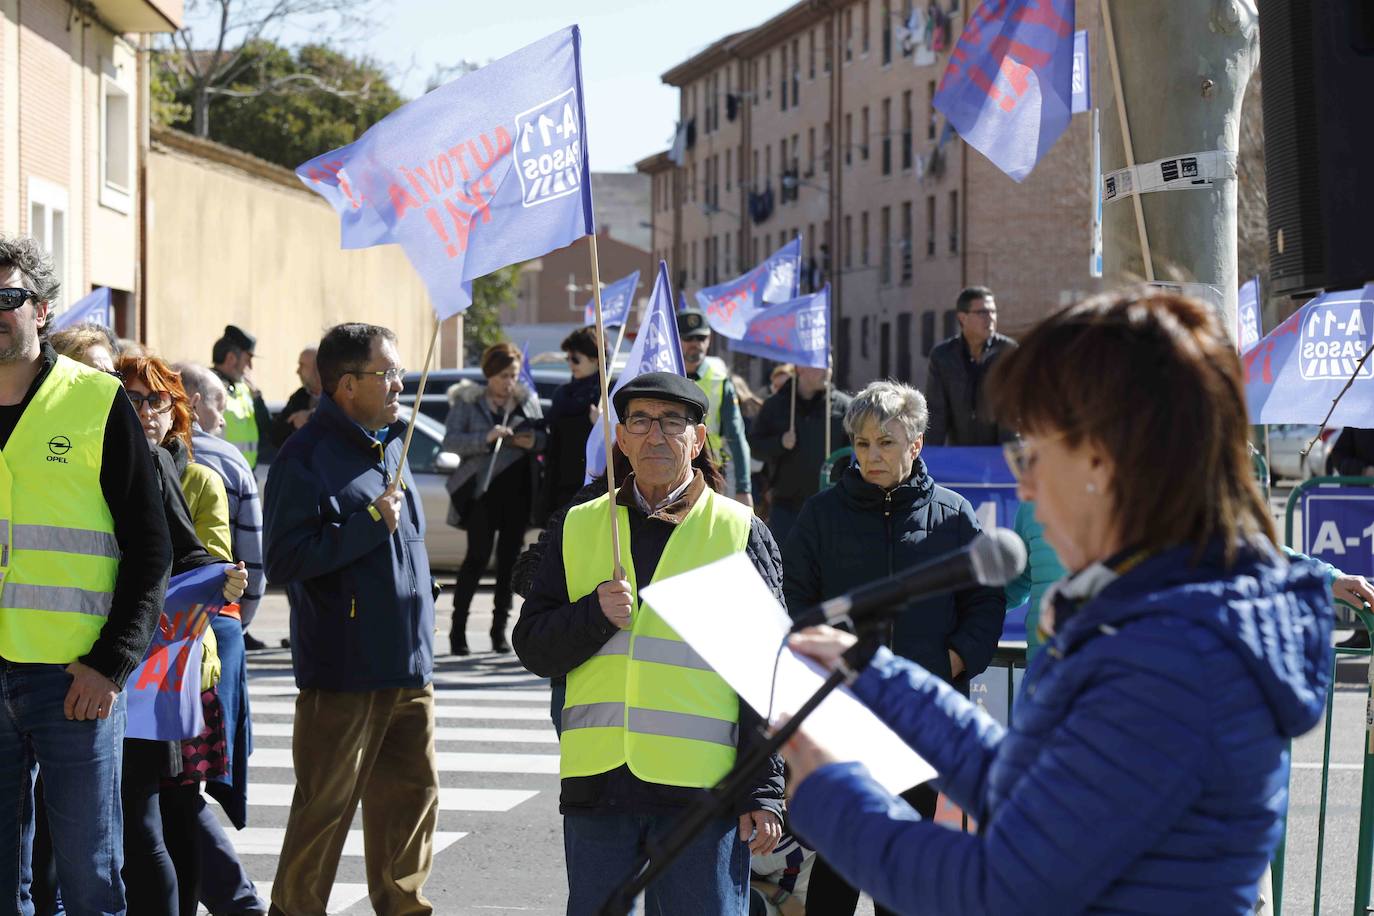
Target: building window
(729, 167)
(887, 136)
(863, 239)
(930, 107)
(842, 353)
(908, 47)
(768, 165)
(848, 34)
(906, 242)
(116, 145)
(927, 332)
(754, 175)
(887, 32)
(953, 222)
(692, 271)
(885, 350)
(811, 54)
(904, 348)
(782, 77)
(48, 223)
(796, 72)
(755, 258)
(864, 136)
(885, 246)
(906, 130)
(848, 138)
(863, 28)
(826, 151)
(811, 151)
(829, 48)
(768, 76)
(930, 226)
(848, 242)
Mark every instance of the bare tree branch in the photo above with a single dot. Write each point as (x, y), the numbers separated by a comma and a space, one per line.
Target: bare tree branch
(281, 82)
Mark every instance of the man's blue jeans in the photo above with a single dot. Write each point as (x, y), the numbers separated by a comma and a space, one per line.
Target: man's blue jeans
(710, 878)
(80, 762)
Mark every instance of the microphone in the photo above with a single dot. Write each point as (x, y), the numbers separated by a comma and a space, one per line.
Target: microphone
(992, 558)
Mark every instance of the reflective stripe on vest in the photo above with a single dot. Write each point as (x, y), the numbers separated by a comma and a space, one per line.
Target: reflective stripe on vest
(646, 699)
(711, 380)
(240, 422)
(58, 553)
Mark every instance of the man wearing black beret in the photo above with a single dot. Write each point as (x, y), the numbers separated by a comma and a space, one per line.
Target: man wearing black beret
(647, 726)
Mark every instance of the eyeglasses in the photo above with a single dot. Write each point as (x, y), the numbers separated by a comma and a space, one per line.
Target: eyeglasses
(575, 358)
(982, 313)
(389, 376)
(671, 424)
(157, 401)
(1021, 455)
(14, 297)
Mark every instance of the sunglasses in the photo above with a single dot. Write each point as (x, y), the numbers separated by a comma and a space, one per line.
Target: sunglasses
(157, 401)
(14, 297)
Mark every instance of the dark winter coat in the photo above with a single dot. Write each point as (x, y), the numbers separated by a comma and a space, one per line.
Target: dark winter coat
(954, 393)
(1146, 767)
(362, 605)
(855, 533)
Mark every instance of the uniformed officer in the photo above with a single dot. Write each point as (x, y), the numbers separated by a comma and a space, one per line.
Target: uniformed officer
(246, 417)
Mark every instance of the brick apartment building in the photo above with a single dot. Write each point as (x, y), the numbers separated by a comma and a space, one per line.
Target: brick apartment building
(824, 109)
(73, 136)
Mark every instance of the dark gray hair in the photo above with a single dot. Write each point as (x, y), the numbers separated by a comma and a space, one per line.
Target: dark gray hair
(345, 348)
(35, 267)
(197, 379)
(888, 400)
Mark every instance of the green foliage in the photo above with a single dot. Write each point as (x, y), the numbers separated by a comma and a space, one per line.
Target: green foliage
(289, 107)
(482, 321)
(167, 109)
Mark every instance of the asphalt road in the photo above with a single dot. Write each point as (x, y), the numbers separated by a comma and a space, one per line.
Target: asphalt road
(500, 843)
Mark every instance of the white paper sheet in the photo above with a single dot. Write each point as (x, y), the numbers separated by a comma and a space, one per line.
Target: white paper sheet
(726, 613)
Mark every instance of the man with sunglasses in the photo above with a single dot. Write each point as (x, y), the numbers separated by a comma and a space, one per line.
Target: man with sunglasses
(954, 385)
(84, 557)
(646, 724)
(345, 534)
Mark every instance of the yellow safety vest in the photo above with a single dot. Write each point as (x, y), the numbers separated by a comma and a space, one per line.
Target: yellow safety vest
(58, 553)
(712, 377)
(240, 421)
(646, 699)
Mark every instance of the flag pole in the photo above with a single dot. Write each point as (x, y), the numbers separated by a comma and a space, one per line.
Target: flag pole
(619, 339)
(618, 569)
(415, 408)
(792, 424)
(1126, 142)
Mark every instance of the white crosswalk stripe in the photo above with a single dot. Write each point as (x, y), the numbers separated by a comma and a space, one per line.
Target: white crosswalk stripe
(506, 758)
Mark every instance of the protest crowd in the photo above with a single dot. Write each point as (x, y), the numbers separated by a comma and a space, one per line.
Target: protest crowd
(136, 548)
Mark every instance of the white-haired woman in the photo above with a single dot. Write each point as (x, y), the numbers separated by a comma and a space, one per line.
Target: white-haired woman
(885, 515)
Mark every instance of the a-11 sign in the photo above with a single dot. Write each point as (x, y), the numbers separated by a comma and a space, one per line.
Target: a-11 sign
(1338, 527)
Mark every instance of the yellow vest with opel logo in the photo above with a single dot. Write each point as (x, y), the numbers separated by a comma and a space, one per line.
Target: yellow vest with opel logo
(58, 554)
(711, 380)
(240, 421)
(646, 699)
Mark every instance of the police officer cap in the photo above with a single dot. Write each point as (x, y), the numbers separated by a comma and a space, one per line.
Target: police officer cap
(662, 386)
(692, 323)
(238, 338)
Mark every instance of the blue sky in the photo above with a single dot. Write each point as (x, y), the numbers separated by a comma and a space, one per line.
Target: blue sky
(626, 45)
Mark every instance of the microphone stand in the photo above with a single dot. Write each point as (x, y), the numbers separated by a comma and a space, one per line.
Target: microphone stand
(659, 854)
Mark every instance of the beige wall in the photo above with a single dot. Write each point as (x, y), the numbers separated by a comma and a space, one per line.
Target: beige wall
(233, 240)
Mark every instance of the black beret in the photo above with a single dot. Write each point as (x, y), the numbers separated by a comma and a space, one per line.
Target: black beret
(238, 338)
(661, 386)
(692, 323)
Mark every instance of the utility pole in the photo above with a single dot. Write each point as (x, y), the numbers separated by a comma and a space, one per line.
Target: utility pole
(1182, 67)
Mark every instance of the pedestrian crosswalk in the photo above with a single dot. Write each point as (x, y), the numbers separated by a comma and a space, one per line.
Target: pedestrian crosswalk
(494, 744)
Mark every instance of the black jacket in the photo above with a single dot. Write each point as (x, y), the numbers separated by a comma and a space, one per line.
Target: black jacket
(556, 633)
(362, 605)
(954, 394)
(1352, 453)
(795, 475)
(281, 423)
(855, 533)
(129, 484)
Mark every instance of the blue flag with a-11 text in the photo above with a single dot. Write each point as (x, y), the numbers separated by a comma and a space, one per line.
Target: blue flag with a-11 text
(792, 332)
(1008, 89)
(485, 171)
(657, 349)
(96, 307)
(730, 305)
(616, 301)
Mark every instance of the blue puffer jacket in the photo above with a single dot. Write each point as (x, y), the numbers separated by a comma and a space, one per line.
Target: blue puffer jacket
(1146, 769)
(362, 600)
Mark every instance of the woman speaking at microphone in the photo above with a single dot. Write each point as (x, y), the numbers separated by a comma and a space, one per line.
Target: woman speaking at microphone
(1146, 766)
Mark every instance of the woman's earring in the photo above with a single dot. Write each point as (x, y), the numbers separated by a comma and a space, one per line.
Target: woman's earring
(1092, 487)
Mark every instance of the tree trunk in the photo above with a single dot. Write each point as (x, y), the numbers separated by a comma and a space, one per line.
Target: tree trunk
(1184, 68)
(200, 111)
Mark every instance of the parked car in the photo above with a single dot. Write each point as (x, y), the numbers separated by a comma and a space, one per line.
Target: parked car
(1286, 442)
(435, 404)
(430, 465)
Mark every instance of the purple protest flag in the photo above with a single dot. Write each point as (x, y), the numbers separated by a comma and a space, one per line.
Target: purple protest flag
(793, 332)
(485, 171)
(730, 305)
(1082, 74)
(616, 300)
(1009, 85)
(96, 307)
(164, 690)
(526, 376)
(657, 349)
(1294, 373)
(1249, 326)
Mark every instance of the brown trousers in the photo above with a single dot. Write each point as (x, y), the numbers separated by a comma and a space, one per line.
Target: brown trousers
(376, 747)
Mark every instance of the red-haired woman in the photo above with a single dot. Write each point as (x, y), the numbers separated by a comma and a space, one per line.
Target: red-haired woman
(162, 876)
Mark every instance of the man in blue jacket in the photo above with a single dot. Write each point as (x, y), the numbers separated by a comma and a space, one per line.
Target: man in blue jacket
(345, 535)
